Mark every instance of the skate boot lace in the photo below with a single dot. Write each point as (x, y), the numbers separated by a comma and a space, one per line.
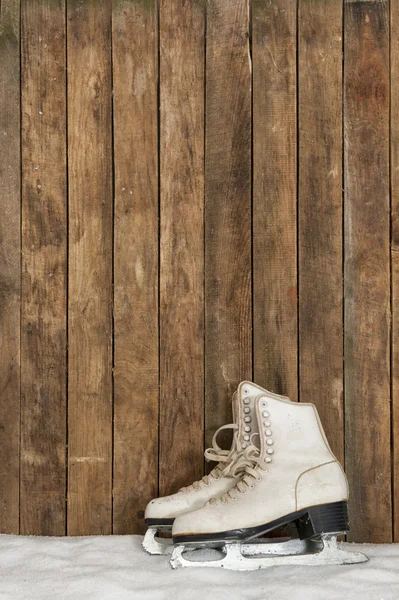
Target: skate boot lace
(227, 460)
(247, 468)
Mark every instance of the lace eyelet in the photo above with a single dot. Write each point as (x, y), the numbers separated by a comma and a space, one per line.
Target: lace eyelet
(234, 498)
(259, 479)
(251, 487)
(207, 484)
(217, 478)
(223, 501)
(243, 492)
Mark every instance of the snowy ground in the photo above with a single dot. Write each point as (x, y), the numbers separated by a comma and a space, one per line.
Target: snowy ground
(116, 568)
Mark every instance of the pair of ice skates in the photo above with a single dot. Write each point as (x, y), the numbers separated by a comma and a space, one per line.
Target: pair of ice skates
(279, 472)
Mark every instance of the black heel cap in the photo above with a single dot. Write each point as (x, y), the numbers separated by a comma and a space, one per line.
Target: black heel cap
(326, 518)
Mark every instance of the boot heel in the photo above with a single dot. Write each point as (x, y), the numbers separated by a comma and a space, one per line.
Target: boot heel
(326, 518)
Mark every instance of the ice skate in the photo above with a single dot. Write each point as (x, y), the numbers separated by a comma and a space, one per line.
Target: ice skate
(292, 479)
(161, 512)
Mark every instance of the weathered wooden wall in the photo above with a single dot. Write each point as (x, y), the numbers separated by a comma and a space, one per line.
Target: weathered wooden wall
(193, 193)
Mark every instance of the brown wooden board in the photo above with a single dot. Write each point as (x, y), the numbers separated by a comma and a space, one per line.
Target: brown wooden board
(367, 276)
(275, 195)
(90, 267)
(44, 248)
(135, 73)
(10, 272)
(320, 268)
(395, 347)
(181, 242)
(394, 37)
(228, 314)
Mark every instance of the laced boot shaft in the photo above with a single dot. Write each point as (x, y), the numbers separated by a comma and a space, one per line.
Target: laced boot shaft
(286, 466)
(246, 470)
(229, 461)
(225, 458)
(254, 458)
(232, 462)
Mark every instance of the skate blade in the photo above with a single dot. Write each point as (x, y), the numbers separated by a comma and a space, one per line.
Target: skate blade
(155, 545)
(251, 557)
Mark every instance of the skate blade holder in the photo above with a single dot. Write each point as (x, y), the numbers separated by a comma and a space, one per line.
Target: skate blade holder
(318, 528)
(236, 556)
(153, 544)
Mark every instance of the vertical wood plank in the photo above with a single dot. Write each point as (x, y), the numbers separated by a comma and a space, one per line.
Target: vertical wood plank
(367, 276)
(90, 267)
(44, 228)
(135, 70)
(320, 214)
(182, 271)
(228, 314)
(10, 272)
(274, 199)
(394, 33)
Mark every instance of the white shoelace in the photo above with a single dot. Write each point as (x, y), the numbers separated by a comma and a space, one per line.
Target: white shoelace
(229, 458)
(247, 469)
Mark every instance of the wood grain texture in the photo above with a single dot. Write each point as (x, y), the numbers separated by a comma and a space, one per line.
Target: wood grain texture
(182, 269)
(275, 196)
(43, 333)
(367, 276)
(395, 352)
(135, 70)
(320, 269)
(394, 39)
(228, 315)
(90, 267)
(10, 272)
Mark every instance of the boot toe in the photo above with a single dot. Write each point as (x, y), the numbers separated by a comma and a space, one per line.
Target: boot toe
(167, 507)
(190, 524)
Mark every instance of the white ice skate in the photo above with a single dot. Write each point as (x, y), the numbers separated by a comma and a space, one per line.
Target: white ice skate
(293, 479)
(161, 512)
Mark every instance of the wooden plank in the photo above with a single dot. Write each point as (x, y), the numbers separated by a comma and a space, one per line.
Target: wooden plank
(10, 272)
(395, 341)
(320, 214)
(135, 70)
(182, 213)
(44, 230)
(274, 196)
(90, 267)
(228, 314)
(394, 33)
(367, 276)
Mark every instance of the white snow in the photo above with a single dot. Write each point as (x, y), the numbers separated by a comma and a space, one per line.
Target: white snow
(116, 568)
